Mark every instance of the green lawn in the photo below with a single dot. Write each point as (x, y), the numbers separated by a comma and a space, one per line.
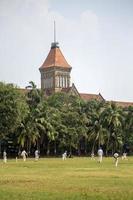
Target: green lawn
(73, 179)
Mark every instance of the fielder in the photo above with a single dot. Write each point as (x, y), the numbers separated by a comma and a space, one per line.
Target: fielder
(36, 155)
(100, 155)
(24, 154)
(64, 155)
(124, 156)
(4, 157)
(116, 156)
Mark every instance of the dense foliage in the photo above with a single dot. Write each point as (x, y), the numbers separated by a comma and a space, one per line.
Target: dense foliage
(61, 122)
(13, 109)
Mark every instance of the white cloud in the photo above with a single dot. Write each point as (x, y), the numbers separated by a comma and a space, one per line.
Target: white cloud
(9, 8)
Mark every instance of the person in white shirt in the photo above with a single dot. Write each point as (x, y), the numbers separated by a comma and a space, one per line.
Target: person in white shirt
(4, 157)
(36, 155)
(100, 155)
(116, 156)
(124, 156)
(24, 154)
(64, 155)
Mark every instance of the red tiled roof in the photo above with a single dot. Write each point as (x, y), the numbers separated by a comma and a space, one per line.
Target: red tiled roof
(55, 58)
(88, 97)
(122, 104)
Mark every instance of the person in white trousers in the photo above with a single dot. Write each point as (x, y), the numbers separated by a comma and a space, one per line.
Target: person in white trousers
(24, 154)
(36, 155)
(124, 156)
(100, 155)
(64, 155)
(116, 156)
(4, 157)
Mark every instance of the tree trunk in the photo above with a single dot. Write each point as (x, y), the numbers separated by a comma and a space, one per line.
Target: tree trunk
(28, 146)
(0, 147)
(48, 149)
(70, 149)
(107, 146)
(93, 147)
(79, 152)
(55, 150)
(85, 146)
(38, 145)
(99, 142)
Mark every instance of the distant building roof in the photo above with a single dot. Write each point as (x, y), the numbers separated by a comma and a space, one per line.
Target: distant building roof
(88, 97)
(85, 96)
(55, 58)
(122, 104)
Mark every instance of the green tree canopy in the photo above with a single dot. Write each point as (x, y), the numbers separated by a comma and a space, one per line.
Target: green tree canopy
(13, 108)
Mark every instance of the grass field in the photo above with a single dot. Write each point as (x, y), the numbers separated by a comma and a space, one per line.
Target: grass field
(73, 179)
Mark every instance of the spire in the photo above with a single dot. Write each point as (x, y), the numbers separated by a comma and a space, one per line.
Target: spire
(54, 44)
(55, 57)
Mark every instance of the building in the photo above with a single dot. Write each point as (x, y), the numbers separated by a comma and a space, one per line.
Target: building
(56, 77)
(56, 74)
(55, 71)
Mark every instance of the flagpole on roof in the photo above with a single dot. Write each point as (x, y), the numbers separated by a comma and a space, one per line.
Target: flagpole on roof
(54, 44)
(54, 32)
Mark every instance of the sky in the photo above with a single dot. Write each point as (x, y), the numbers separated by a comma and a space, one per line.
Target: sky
(95, 36)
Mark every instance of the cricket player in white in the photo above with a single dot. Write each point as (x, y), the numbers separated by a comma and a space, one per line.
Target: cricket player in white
(4, 156)
(64, 155)
(24, 154)
(36, 155)
(124, 156)
(116, 156)
(100, 155)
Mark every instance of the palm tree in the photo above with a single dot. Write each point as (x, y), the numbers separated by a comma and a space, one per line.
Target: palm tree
(128, 126)
(28, 132)
(34, 95)
(96, 132)
(113, 123)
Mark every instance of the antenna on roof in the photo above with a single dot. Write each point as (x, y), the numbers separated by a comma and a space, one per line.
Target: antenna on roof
(54, 44)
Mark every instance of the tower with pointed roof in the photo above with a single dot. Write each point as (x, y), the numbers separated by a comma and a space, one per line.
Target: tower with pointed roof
(55, 71)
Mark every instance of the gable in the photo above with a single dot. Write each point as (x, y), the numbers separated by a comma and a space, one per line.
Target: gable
(73, 91)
